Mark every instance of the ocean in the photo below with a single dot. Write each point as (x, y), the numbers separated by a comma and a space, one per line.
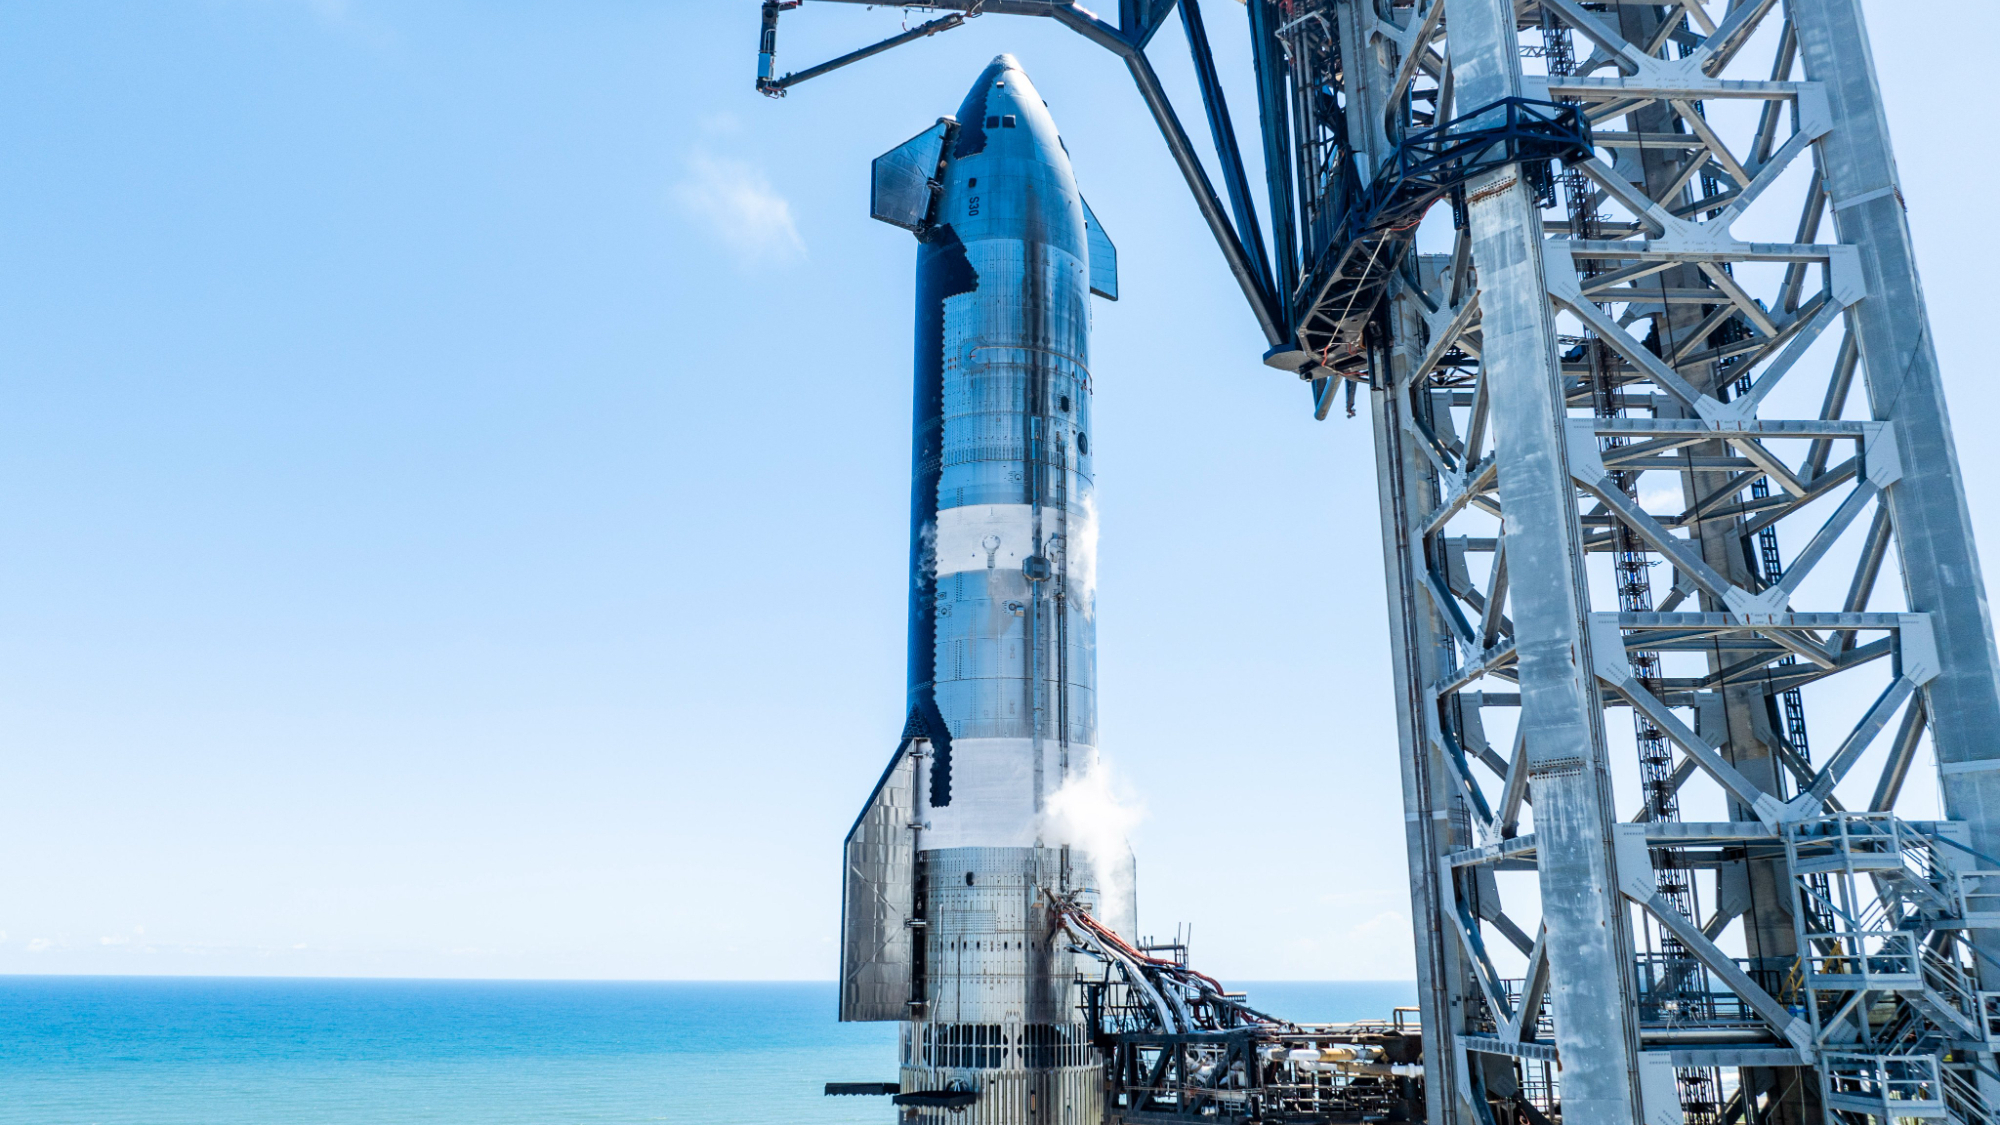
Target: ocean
(285, 1051)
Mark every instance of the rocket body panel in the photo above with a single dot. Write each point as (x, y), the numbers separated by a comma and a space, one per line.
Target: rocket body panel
(1005, 662)
(1002, 650)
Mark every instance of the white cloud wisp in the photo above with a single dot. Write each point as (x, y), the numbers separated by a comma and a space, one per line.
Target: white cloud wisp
(737, 206)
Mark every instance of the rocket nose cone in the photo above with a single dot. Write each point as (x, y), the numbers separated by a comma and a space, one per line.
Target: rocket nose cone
(1004, 99)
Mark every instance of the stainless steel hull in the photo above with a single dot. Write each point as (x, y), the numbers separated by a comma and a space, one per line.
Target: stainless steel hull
(968, 841)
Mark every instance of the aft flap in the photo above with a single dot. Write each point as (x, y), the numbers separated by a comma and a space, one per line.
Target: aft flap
(905, 178)
(878, 974)
(1103, 256)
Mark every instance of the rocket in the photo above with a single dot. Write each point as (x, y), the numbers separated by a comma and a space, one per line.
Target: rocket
(957, 864)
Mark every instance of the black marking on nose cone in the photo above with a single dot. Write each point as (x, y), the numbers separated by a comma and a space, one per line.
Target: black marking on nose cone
(972, 115)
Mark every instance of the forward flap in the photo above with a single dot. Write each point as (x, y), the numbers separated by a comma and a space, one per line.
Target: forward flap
(1103, 256)
(905, 178)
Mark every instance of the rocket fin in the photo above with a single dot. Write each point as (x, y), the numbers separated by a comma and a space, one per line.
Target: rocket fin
(1103, 256)
(905, 183)
(878, 897)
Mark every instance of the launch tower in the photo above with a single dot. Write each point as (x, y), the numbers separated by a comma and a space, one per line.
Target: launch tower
(1682, 580)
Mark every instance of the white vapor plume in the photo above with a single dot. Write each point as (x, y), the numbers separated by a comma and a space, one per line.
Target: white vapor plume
(1090, 815)
(739, 208)
(1080, 555)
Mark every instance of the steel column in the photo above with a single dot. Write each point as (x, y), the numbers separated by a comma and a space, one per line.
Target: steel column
(1589, 926)
(1934, 533)
(1434, 820)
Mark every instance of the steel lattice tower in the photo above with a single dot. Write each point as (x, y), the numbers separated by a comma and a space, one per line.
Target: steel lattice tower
(1497, 398)
(1647, 433)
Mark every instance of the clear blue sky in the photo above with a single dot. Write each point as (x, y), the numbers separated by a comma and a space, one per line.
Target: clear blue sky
(453, 477)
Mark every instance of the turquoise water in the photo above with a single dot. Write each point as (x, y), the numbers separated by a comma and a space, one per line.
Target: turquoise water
(214, 1051)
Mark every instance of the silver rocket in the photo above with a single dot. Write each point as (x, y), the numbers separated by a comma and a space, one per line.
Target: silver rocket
(958, 863)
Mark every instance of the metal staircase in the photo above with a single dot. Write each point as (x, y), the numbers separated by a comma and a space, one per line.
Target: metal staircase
(1883, 907)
